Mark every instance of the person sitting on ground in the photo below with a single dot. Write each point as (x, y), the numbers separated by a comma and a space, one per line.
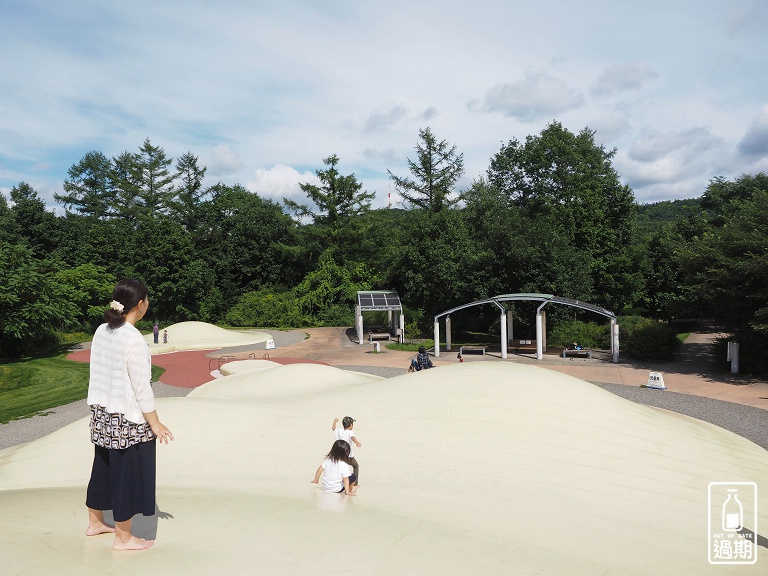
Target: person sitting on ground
(337, 471)
(422, 361)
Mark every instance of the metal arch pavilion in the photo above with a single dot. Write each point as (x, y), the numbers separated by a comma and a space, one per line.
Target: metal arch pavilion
(505, 320)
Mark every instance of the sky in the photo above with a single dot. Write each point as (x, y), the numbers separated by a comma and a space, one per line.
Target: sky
(261, 92)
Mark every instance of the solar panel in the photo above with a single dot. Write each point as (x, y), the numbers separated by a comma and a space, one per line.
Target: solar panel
(379, 300)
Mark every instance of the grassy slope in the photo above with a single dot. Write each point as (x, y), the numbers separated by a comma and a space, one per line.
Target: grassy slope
(32, 386)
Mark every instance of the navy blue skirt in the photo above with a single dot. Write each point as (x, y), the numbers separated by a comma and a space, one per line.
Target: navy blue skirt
(123, 481)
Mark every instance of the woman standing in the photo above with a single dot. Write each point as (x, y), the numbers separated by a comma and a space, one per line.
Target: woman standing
(124, 423)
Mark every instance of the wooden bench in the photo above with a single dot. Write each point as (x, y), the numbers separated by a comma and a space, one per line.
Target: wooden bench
(480, 349)
(526, 345)
(570, 352)
(378, 336)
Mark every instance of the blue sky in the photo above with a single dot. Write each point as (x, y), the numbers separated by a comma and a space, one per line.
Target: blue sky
(263, 91)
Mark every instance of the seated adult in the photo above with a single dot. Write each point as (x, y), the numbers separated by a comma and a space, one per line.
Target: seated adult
(422, 361)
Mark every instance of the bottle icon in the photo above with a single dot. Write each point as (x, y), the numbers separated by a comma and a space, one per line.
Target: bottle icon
(733, 512)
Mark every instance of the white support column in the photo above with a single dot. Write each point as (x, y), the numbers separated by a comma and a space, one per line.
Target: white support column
(437, 338)
(615, 340)
(448, 333)
(544, 330)
(503, 324)
(734, 346)
(359, 324)
(539, 326)
(402, 328)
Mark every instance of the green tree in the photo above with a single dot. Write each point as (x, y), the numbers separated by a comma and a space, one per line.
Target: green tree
(728, 267)
(328, 293)
(88, 187)
(33, 304)
(337, 198)
(190, 193)
(244, 239)
(34, 222)
(89, 288)
(435, 269)
(721, 195)
(436, 170)
(125, 184)
(9, 230)
(177, 277)
(566, 180)
(156, 182)
(340, 201)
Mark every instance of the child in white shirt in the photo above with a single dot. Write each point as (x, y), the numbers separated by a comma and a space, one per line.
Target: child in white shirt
(347, 435)
(336, 470)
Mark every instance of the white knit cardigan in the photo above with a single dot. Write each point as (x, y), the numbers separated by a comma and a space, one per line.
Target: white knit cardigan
(121, 372)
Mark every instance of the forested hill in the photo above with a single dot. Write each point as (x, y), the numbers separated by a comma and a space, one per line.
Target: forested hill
(550, 215)
(651, 217)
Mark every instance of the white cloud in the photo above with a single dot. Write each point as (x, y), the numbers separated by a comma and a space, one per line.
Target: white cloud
(280, 182)
(384, 118)
(623, 77)
(678, 164)
(609, 127)
(755, 141)
(224, 160)
(388, 156)
(429, 114)
(687, 145)
(253, 85)
(538, 95)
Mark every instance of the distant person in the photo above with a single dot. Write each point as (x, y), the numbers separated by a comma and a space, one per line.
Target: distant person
(124, 424)
(421, 362)
(347, 435)
(460, 357)
(337, 471)
(165, 336)
(156, 332)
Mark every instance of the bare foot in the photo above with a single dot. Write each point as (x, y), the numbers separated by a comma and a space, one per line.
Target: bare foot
(133, 543)
(96, 529)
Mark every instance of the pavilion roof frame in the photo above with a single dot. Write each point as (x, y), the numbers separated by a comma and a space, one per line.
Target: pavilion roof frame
(545, 299)
(525, 296)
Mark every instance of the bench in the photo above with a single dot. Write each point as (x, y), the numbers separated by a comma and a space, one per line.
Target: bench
(570, 352)
(480, 349)
(524, 345)
(378, 336)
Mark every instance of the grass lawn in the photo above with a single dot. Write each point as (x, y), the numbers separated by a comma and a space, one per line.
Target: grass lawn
(29, 387)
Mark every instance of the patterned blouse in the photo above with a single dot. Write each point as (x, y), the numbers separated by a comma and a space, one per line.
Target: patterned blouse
(115, 431)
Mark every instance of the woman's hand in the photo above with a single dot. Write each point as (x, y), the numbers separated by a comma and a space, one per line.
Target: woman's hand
(159, 429)
(162, 432)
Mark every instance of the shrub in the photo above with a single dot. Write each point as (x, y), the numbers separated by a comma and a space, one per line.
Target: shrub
(588, 334)
(266, 308)
(415, 323)
(336, 315)
(651, 340)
